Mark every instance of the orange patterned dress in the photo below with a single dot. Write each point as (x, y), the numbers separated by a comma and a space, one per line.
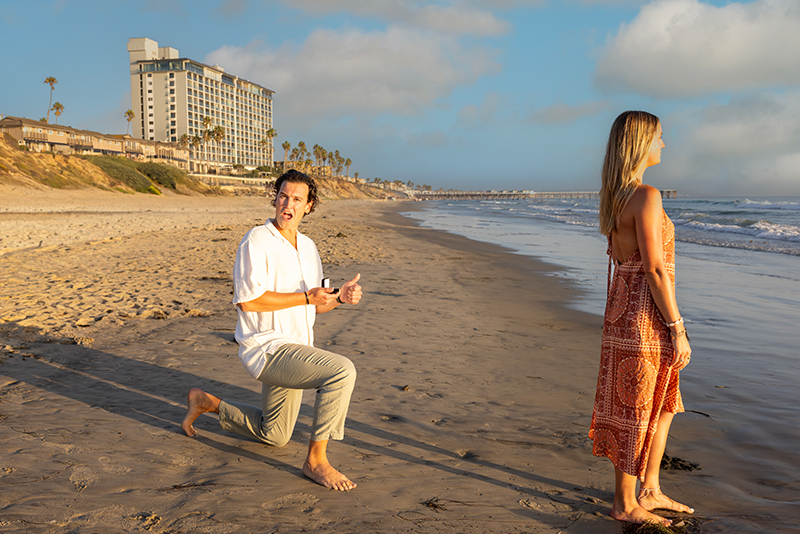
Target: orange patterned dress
(636, 379)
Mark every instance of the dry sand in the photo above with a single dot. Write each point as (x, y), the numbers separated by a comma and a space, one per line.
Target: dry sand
(474, 393)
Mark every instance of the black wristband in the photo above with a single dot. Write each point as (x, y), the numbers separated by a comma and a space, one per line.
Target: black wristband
(339, 299)
(306, 294)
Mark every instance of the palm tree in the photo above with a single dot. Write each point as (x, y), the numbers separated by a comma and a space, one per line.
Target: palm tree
(301, 153)
(207, 134)
(286, 146)
(347, 164)
(184, 140)
(271, 134)
(323, 156)
(266, 144)
(195, 142)
(315, 151)
(218, 134)
(52, 82)
(58, 109)
(337, 161)
(129, 116)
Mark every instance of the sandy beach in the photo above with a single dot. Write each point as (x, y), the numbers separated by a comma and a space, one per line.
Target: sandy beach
(470, 413)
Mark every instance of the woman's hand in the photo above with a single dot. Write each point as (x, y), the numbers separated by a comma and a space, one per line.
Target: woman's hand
(683, 351)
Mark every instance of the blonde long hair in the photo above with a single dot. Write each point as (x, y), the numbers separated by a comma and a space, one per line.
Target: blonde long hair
(628, 146)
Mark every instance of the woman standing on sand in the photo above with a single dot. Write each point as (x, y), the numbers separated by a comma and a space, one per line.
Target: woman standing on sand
(645, 344)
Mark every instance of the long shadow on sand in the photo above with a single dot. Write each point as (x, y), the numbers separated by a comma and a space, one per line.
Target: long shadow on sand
(155, 395)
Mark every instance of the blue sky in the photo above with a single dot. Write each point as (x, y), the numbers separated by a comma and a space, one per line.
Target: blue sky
(465, 94)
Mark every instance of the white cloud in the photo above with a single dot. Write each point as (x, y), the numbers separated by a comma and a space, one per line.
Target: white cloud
(428, 140)
(475, 116)
(750, 126)
(338, 74)
(612, 2)
(564, 113)
(232, 8)
(750, 145)
(685, 48)
(454, 18)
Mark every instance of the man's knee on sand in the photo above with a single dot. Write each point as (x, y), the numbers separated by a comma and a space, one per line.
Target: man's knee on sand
(348, 371)
(279, 440)
(342, 370)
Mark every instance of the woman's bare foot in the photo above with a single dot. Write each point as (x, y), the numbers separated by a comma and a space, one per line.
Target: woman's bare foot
(325, 475)
(638, 515)
(652, 499)
(198, 402)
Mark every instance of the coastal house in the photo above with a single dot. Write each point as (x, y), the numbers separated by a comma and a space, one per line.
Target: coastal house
(40, 136)
(173, 97)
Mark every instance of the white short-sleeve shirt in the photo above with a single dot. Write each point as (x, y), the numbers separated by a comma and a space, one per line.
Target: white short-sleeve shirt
(266, 261)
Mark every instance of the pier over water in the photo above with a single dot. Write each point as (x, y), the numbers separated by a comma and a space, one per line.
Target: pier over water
(516, 195)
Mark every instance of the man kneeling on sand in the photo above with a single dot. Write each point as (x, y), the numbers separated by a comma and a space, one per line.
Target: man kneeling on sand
(276, 282)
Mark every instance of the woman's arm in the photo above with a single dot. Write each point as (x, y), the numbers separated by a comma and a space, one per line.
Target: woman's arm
(648, 216)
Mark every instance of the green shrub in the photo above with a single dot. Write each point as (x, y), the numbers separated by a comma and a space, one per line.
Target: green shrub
(165, 175)
(122, 170)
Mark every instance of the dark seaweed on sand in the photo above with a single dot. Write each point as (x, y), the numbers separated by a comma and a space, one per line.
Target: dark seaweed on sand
(676, 464)
(680, 525)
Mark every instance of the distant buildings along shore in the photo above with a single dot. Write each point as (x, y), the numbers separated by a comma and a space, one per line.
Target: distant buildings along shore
(172, 96)
(191, 115)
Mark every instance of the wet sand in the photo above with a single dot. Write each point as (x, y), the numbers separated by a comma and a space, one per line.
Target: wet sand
(474, 393)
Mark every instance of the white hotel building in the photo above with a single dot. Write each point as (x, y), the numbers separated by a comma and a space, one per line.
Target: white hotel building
(171, 95)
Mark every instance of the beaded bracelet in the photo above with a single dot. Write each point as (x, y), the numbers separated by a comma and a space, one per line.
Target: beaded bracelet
(679, 321)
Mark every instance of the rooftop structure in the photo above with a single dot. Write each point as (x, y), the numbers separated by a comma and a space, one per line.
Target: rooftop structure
(173, 96)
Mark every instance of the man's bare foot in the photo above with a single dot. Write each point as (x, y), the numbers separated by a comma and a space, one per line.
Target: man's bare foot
(652, 499)
(197, 402)
(639, 515)
(325, 475)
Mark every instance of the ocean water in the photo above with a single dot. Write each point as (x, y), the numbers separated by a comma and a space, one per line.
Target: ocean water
(738, 289)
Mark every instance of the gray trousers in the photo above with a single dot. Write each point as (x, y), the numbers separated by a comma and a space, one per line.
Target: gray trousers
(287, 373)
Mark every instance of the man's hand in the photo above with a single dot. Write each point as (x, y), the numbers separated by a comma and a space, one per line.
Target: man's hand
(351, 291)
(322, 296)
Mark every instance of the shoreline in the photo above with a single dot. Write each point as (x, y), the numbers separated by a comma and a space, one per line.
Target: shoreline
(471, 409)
